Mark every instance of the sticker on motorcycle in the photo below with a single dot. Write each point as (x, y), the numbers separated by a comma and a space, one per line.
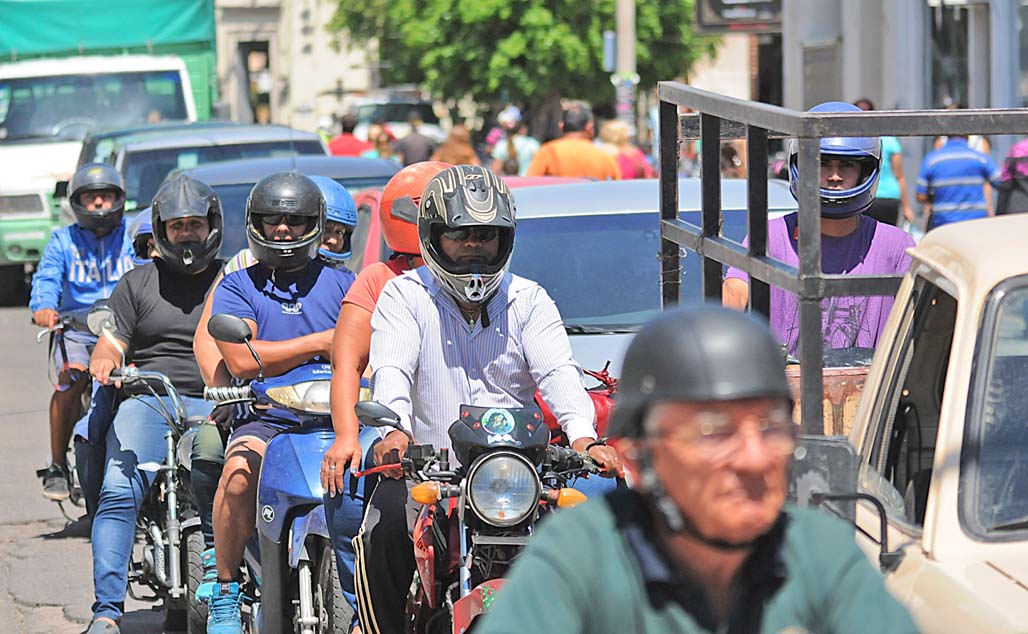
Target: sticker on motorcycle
(498, 422)
(267, 513)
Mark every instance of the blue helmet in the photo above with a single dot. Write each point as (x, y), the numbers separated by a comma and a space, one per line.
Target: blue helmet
(339, 207)
(867, 151)
(140, 230)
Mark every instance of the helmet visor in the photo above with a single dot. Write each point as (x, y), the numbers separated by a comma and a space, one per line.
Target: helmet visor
(472, 248)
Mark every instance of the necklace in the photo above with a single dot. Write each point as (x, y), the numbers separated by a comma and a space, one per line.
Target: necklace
(470, 314)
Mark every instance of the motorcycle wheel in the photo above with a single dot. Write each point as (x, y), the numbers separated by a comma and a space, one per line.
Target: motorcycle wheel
(331, 607)
(196, 612)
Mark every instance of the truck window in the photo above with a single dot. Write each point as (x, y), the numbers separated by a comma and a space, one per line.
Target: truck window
(71, 105)
(906, 415)
(994, 455)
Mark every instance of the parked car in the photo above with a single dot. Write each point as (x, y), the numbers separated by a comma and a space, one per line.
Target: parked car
(97, 146)
(233, 181)
(393, 111)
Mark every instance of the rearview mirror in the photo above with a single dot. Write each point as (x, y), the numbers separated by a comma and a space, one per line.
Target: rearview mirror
(229, 328)
(824, 464)
(61, 189)
(375, 414)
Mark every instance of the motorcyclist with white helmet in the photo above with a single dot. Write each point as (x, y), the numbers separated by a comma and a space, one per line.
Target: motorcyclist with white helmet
(459, 330)
(851, 242)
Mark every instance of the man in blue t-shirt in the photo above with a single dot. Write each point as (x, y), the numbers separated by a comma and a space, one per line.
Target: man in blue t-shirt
(955, 183)
(290, 300)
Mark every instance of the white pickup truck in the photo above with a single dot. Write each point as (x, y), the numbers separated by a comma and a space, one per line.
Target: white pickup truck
(941, 432)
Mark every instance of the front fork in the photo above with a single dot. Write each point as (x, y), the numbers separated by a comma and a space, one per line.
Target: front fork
(174, 529)
(305, 616)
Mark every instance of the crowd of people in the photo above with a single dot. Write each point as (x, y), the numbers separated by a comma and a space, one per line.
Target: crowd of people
(704, 408)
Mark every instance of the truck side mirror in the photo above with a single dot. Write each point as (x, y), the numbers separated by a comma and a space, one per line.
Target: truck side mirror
(61, 189)
(824, 473)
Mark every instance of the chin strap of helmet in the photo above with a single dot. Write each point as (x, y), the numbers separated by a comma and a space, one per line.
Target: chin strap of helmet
(668, 512)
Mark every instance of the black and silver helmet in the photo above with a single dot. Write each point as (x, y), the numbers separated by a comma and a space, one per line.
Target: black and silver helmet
(96, 177)
(293, 194)
(466, 196)
(186, 197)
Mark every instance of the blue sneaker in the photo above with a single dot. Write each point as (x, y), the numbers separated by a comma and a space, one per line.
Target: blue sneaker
(223, 616)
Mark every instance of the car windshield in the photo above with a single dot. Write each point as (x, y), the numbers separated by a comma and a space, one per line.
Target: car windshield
(996, 455)
(376, 112)
(602, 270)
(144, 170)
(233, 204)
(69, 106)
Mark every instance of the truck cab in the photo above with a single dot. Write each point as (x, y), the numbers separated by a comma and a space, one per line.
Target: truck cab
(47, 107)
(941, 433)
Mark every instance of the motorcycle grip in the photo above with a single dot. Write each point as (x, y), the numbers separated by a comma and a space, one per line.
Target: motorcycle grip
(223, 394)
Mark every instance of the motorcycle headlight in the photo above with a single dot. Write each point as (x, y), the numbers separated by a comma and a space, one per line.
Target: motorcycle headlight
(503, 489)
(309, 396)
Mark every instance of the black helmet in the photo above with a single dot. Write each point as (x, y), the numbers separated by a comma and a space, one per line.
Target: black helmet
(466, 196)
(289, 193)
(184, 197)
(697, 353)
(95, 177)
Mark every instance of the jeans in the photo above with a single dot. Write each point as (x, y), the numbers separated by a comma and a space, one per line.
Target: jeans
(344, 514)
(135, 436)
(89, 453)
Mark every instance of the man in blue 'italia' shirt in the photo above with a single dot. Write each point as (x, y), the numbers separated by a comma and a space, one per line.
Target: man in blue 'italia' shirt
(291, 301)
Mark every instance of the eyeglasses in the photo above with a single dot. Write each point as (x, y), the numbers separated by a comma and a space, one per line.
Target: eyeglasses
(479, 234)
(293, 220)
(719, 437)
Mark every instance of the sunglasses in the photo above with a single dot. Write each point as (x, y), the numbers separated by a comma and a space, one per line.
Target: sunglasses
(480, 234)
(293, 220)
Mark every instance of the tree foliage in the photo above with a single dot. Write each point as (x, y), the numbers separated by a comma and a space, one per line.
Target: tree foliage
(517, 49)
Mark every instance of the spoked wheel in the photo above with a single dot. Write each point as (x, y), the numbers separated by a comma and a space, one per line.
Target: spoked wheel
(334, 613)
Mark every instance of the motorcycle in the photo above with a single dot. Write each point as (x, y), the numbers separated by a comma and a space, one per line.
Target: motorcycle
(167, 559)
(292, 578)
(76, 320)
(476, 518)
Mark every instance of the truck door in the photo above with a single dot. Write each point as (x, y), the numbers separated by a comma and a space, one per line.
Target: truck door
(898, 451)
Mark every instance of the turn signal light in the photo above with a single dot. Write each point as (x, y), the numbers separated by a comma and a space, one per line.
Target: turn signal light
(425, 493)
(567, 498)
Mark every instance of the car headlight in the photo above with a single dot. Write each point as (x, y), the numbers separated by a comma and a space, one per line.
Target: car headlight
(309, 396)
(503, 489)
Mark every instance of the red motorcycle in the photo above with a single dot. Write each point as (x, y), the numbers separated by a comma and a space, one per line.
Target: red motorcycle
(476, 517)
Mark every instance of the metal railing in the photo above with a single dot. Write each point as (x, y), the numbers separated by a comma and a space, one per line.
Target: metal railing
(720, 117)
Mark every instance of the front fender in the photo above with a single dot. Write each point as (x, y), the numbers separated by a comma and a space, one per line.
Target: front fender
(304, 526)
(468, 608)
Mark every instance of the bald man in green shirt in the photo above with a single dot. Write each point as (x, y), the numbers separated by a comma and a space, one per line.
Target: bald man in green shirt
(704, 542)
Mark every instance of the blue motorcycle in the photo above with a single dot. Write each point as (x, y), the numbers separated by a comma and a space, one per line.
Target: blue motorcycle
(293, 577)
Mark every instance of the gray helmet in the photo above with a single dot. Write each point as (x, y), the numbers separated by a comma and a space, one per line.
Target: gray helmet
(697, 353)
(466, 196)
(289, 193)
(95, 177)
(185, 197)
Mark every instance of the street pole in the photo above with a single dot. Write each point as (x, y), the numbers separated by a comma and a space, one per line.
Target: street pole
(625, 78)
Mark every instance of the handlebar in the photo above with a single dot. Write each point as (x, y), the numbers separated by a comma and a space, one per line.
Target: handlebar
(129, 375)
(222, 395)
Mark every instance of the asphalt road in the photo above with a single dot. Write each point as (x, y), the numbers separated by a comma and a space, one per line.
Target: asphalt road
(46, 583)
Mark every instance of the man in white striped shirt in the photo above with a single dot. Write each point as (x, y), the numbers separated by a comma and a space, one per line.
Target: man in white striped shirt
(460, 330)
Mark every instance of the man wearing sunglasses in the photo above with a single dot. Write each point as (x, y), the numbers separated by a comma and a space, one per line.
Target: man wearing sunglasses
(459, 330)
(704, 541)
(290, 299)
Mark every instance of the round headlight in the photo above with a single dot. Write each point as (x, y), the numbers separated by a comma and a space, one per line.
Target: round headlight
(503, 489)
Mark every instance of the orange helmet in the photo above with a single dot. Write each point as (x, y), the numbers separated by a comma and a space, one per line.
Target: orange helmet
(398, 210)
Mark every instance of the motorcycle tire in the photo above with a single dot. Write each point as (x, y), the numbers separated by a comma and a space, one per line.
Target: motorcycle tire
(329, 604)
(196, 612)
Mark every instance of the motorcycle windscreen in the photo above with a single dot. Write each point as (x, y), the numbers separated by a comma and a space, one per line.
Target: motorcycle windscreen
(483, 428)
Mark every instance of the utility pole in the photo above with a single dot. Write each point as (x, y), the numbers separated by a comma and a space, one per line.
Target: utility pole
(625, 79)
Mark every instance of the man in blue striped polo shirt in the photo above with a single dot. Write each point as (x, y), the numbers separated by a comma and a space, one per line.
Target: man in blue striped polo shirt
(954, 184)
